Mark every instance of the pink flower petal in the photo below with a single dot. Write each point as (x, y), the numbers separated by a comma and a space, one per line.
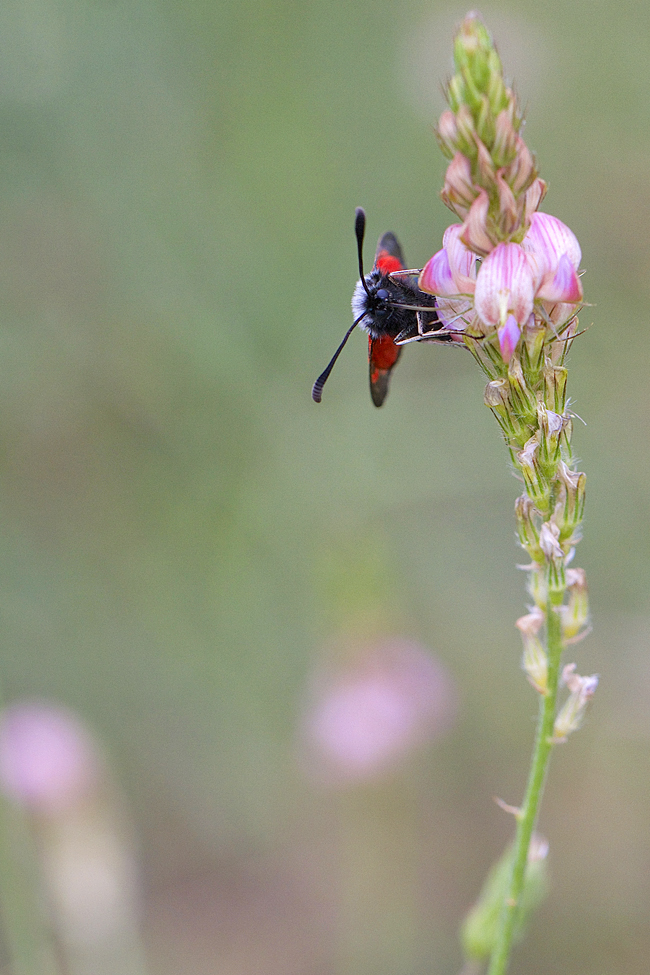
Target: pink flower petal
(504, 286)
(522, 166)
(447, 128)
(462, 261)
(451, 271)
(459, 191)
(508, 212)
(455, 313)
(509, 334)
(474, 234)
(436, 277)
(534, 196)
(363, 720)
(565, 285)
(547, 240)
(47, 758)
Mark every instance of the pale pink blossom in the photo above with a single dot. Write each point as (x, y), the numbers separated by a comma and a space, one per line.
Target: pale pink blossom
(509, 335)
(474, 234)
(451, 272)
(451, 275)
(447, 130)
(459, 190)
(47, 758)
(505, 286)
(510, 279)
(363, 720)
(509, 217)
(506, 141)
(554, 254)
(532, 199)
(581, 691)
(522, 167)
(549, 541)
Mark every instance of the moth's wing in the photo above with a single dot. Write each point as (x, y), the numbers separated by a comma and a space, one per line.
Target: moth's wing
(409, 279)
(389, 256)
(382, 358)
(382, 352)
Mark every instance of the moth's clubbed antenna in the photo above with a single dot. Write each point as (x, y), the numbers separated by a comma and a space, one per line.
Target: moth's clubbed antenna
(508, 277)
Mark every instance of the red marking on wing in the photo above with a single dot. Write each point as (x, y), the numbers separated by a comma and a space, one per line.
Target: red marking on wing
(382, 352)
(387, 263)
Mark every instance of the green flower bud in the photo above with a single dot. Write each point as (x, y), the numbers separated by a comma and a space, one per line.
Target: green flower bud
(555, 379)
(485, 124)
(499, 96)
(523, 398)
(551, 426)
(572, 506)
(575, 615)
(455, 93)
(525, 512)
(466, 132)
(473, 93)
(479, 930)
(533, 347)
(537, 486)
(534, 660)
(537, 586)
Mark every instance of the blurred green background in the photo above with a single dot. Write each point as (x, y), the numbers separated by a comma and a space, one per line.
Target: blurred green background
(186, 535)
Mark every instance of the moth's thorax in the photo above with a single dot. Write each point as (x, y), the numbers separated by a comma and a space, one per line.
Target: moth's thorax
(373, 309)
(390, 307)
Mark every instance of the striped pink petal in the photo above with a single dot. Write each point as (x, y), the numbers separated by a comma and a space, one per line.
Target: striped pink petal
(547, 240)
(436, 277)
(509, 334)
(475, 236)
(565, 285)
(462, 261)
(505, 286)
(454, 313)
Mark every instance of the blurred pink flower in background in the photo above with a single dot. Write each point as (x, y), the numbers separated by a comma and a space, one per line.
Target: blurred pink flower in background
(47, 759)
(364, 718)
(54, 768)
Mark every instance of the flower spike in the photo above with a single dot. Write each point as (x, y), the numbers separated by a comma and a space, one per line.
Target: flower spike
(507, 282)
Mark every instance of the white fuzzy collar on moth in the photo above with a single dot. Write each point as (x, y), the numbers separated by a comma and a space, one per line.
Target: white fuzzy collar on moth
(360, 304)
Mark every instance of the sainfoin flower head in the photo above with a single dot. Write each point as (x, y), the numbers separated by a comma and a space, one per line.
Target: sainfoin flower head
(512, 283)
(507, 282)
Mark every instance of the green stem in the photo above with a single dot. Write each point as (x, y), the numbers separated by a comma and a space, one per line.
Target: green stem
(534, 790)
(22, 923)
(21, 912)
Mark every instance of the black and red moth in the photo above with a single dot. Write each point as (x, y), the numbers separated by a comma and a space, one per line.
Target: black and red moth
(388, 306)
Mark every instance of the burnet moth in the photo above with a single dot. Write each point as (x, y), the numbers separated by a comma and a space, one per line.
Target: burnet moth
(388, 305)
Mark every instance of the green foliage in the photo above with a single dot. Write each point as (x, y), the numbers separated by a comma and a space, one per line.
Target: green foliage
(480, 927)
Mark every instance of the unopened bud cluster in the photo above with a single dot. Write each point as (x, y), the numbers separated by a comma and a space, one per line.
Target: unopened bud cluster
(491, 182)
(507, 284)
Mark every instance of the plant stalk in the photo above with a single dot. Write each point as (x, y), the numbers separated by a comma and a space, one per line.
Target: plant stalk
(529, 811)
